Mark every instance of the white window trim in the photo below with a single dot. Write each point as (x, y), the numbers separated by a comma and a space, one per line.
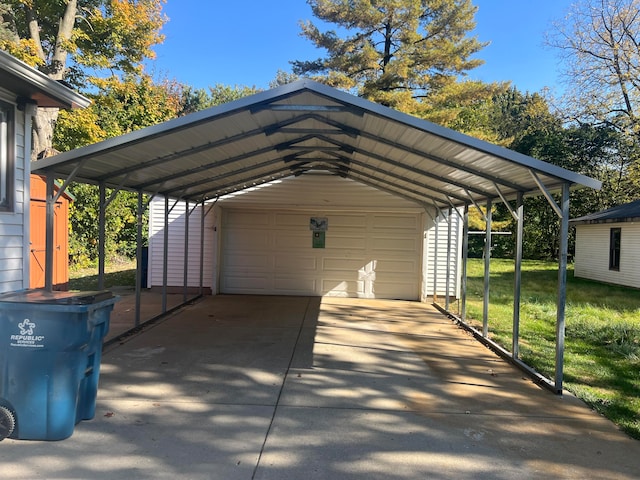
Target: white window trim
(7, 157)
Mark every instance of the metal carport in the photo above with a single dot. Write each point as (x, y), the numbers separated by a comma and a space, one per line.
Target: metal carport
(306, 126)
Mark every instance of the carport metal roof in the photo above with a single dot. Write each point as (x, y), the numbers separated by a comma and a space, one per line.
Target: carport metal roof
(302, 127)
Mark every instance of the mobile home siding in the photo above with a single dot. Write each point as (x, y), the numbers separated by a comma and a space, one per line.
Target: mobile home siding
(592, 253)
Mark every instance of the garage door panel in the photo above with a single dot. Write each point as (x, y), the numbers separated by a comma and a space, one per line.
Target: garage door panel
(240, 283)
(395, 222)
(366, 254)
(397, 266)
(343, 264)
(348, 222)
(246, 219)
(395, 289)
(394, 244)
(291, 219)
(295, 285)
(248, 261)
(296, 263)
(342, 288)
(339, 242)
(292, 240)
(250, 240)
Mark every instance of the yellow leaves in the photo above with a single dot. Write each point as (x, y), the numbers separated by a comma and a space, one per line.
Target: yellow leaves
(477, 222)
(462, 106)
(24, 50)
(121, 35)
(76, 128)
(140, 21)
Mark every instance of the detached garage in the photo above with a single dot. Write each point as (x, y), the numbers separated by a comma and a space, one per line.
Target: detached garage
(263, 241)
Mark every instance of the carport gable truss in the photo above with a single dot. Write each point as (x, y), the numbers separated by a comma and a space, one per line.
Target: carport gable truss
(304, 127)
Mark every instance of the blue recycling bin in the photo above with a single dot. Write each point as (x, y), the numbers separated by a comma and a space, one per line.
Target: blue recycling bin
(50, 354)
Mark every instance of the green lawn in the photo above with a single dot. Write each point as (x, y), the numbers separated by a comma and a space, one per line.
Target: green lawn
(117, 274)
(602, 350)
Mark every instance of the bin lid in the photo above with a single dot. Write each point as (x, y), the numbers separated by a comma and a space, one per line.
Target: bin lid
(56, 297)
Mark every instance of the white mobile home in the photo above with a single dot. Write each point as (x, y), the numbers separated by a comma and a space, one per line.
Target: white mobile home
(608, 245)
(22, 89)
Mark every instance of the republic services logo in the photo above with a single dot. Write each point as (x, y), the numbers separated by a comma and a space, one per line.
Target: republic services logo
(26, 327)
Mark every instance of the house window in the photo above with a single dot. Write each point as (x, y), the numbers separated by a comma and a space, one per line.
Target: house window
(614, 248)
(7, 163)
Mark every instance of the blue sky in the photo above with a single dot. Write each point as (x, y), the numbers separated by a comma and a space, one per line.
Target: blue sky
(245, 42)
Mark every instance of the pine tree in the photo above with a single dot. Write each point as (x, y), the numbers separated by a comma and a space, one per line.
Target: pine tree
(406, 54)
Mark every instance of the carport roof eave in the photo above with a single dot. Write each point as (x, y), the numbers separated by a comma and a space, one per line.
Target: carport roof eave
(67, 161)
(148, 133)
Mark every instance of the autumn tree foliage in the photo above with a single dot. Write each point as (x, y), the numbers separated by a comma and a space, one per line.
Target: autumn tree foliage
(598, 41)
(76, 40)
(120, 106)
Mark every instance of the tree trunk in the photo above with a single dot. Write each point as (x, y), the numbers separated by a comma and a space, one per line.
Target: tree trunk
(44, 120)
(43, 124)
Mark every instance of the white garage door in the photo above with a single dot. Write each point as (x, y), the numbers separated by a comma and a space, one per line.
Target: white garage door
(368, 255)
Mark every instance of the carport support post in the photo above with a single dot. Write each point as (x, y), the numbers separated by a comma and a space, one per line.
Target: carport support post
(448, 270)
(487, 263)
(515, 351)
(48, 259)
(138, 259)
(101, 234)
(562, 286)
(186, 250)
(165, 254)
(435, 261)
(465, 255)
(202, 249)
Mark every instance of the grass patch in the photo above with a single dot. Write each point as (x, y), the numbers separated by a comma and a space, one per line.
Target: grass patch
(602, 343)
(120, 273)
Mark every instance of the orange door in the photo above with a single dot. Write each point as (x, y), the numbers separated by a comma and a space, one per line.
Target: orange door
(38, 238)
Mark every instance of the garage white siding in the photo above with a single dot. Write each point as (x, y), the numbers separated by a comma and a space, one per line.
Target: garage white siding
(592, 253)
(367, 255)
(436, 265)
(176, 244)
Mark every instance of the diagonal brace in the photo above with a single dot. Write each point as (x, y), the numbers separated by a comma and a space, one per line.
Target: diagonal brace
(546, 193)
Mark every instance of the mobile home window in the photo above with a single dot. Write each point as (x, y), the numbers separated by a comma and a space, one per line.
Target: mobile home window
(6, 157)
(614, 248)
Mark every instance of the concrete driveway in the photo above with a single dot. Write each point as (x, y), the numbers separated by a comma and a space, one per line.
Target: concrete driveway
(238, 387)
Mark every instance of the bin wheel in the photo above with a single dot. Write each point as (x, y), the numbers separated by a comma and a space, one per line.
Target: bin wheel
(7, 422)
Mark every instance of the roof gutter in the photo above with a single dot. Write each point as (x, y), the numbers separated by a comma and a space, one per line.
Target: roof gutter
(44, 87)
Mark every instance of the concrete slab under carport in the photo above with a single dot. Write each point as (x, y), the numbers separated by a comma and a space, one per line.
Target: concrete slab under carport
(237, 387)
